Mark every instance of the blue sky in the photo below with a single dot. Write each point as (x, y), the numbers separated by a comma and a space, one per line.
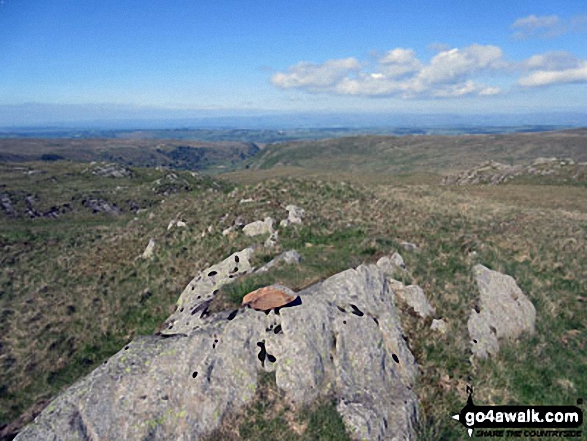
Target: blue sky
(289, 56)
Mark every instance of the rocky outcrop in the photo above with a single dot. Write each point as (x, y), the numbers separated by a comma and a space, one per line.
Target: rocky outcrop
(110, 170)
(101, 206)
(494, 173)
(180, 384)
(503, 312)
(290, 257)
(259, 227)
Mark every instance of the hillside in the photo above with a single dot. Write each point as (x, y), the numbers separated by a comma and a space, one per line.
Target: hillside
(178, 154)
(381, 155)
(75, 289)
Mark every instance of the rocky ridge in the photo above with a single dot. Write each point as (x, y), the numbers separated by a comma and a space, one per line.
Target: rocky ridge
(494, 173)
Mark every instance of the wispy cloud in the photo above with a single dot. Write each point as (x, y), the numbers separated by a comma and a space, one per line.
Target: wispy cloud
(399, 72)
(548, 77)
(552, 68)
(547, 26)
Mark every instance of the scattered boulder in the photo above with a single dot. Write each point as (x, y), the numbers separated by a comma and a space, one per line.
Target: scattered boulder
(503, 312)
(180, 386)
(271, 241)
(176, 223)
(290, 257)
(438, 325)
(409, 246)
(295, 215)
(148, 253)
(415, 298)
(259, 227)
(390, 265)
(7, 205)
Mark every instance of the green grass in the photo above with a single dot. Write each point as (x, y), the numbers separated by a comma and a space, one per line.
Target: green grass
(90, 262)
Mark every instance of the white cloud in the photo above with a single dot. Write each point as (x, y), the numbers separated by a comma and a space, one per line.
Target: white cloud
(315, 76)
(456, 64)
(576, 74)
(399, 62)
(546, 26)
(400, 73)
(555, 60)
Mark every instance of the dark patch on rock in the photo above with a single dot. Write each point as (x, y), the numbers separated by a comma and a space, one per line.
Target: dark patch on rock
(357, 311)
(232, 314)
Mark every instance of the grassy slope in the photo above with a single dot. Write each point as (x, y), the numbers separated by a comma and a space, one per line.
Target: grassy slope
(422, 154)
(181, 154)
(73, 291)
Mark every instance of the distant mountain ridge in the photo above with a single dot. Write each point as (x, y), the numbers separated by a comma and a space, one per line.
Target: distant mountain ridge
(178, 154)
(422, 153)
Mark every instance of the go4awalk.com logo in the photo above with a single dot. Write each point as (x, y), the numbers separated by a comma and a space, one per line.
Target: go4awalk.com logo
(521, 421)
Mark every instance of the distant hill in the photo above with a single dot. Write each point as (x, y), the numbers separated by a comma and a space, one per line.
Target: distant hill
(421, 153)
(179, 154)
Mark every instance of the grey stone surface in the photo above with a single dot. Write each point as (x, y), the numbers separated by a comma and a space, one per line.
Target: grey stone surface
(192, 305)
(415, 298)
(343, 337)
(504, 312)
(271, 241)
(291, 257)
(148, 253)
(438, 325)
(408, 246)
(259, 227)
(101, 206)
(391, 265)
(295, 215)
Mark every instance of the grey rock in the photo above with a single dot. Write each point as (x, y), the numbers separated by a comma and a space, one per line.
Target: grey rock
(295, 215)
(176, 223)
(7, 205)
(415, 298)
(504, 312)
(148, 253)
(390, 265)
(192, 305)
(438, 325)
(181, 386)
(101, 206)
(409, 246)
(290, 257)
(271, 241)
(259, 227)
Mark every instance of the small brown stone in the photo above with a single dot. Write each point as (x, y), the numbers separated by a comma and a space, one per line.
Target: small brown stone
(267, 298)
